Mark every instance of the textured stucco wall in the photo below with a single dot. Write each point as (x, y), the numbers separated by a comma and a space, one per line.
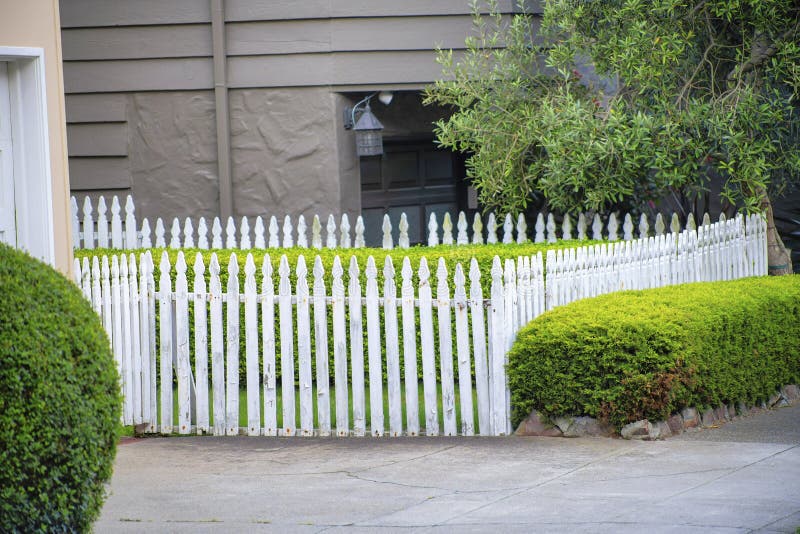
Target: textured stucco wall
(173, 154)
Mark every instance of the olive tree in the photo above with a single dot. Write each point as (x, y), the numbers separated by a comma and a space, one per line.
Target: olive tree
(628, 101)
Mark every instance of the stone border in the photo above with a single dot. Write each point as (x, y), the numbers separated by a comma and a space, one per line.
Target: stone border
(689, 419)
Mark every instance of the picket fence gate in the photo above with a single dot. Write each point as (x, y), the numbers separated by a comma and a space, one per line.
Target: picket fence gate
(123, 292)
(121, 232)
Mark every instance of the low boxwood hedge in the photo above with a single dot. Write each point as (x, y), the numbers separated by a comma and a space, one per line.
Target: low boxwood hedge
(647, 354)
(59, 401)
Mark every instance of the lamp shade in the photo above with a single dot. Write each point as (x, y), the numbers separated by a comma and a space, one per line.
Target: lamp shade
(369, 140)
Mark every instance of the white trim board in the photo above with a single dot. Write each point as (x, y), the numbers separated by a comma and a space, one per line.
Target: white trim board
(33, 191)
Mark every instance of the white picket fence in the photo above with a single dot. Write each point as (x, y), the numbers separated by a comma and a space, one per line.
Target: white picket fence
(123, 292)
(98, 230)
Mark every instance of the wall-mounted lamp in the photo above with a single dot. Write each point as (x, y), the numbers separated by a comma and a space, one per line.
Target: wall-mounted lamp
(369, 140)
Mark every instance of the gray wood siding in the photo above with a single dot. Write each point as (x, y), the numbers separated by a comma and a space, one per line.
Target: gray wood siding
(86, 174)
(137, 75)
(99, 13)
(96, 108)
(105, 139)
(136, 42)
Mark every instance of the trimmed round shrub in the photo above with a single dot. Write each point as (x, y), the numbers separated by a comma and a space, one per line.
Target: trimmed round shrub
(647, 354)
(59, 401)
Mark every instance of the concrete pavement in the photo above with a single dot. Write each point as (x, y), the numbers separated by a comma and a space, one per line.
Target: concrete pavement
(686, 484)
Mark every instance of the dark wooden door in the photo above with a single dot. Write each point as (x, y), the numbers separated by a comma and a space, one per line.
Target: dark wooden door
(414, 177)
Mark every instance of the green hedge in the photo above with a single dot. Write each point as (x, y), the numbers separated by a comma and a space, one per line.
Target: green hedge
(647, 354)
(59, 401)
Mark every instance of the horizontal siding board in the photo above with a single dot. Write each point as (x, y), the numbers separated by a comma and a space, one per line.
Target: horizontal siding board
(250, 10)
(88, 174)
(96, 108)
(138, 75)
(104, 139)
(283, 37)
(340, 69)
(136, 42)
(98, 13)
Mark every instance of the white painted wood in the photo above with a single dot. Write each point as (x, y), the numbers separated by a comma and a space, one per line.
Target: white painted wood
(175, 234)
(477, 230)
(258, 231)
(304, 350)
(356, 349)
(144, 339)
(410, 350)
(76, 225)
(445, 350)
(463, 353)
(675, 224)
(202, 234)
(244, 234)
(116, 318)
(508, 229)
(498, 349)
(551, 229)
(613, 227)
(402, 240)
(539, 227)
(522, 229)
(288, 242)
(392, 344)
(274, 233)
(597, 227)
(321, 352)
(331, 229)
(340, 349)
(659, 225)
(268, 348)
(136, 352)
(232, 344)
(151, 305)
(217, 346)
(627, 227)
(146, 241)
(359, 241)
(83, 275)
(251, 346)
(182, 345)
(200, 345)
(479, 348)
(88, 224)
(581, 227)
(125, 320)
(386, 227)
(344, 231)
(566, 227)
(447, 229)
(491, 229)
(230, 234)
(374, 350)
(462, 238)
(644, 227)
(116, 224)
(165, 329)
(216, 234)
(426, 343)
(316, 233)
(188, 233)
(108, 325)
(302, 240)
(102, 223)
(287, 345)
(433, 235)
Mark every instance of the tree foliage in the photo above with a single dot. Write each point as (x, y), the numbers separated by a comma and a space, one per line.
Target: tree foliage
(626, 101)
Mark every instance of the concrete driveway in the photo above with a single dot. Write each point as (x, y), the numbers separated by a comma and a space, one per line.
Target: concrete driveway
(743, 477)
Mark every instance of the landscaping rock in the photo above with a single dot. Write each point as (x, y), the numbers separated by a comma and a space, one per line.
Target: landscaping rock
(709, 418)
(691, 418)
(587, 426)
(537, 425)
(742, 409)
(791, 393)
(563, 423)
(775, 399)
(643, 429)
(664, 431)
(721, 413)
(675, 424)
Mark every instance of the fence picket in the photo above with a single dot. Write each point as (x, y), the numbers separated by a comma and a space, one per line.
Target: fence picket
(304, 350)
(445, 350)
(302, 240)
(102, 223)
(410, 350)
(497, 352)
(182, 344)
(339, 349)
(258, 231)
(251, 347)
(321, 341)
(508, 229)
(125, 318)
(200, 346)
(136, 352)
(344, 230)
(463, 354)
(433, 235)
(232, 344)
(217, 347)
(392, 345)
(374, 350)
(330, 242)
(287, 346)
(165, 330)
(491, 230)
(356, 350)
(274, 233)
(188, 233)
(477, 230)
(175, 234)
(88, 224)
(268, 347)
(116, 224)
(426, 343)
(479, 349)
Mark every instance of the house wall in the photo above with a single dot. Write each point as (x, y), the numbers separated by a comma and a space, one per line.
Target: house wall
(139, 80)
(35, 23)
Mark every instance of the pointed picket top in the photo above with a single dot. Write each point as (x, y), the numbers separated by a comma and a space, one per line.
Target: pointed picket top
(522, 229)
(131, 239)
(266, 273)
(188, 233)
(644, 226)
(407, 289)
(627, 228)
(433, 234)
(423, 272)
(675, 224)
(288, 241)
(539, 227)
(551, 228)
(129, 207)
(462, 238)
(76, 226)
(330, 242)
(164, 265)
(442, 288)
(447, 229)
(354, 272)
(230, 234)
(258, 231)
(244, 232)
(88, 224)
(491, 229)
(460, 280)
(477, 229)
(146, 240)
(160, 232)
(706, 219)
(659, 226)
(233, 266)
(213, 269)
(199, 267)
(319, 276)
(690, 224)
(402, 239)
(216, 234)
(613, 227)
(102, 223)
(496, 271)
(359, 240)
(202, 234)
(474, 277)
(508, 229)
(597, 227)
(96, 269)
(388, 272)
(180, 270)
(115, 207)
(250, 274)
(301, 271)
(274, 233)
(87, 206)
(284, 287)
(581, 226)
(372, 270)
(116, 223)
(175, 234)
(386, 227)
(722, 217)
(344, 231)
(302, 239)
(337, 286)
(566, 227)
(316, 233)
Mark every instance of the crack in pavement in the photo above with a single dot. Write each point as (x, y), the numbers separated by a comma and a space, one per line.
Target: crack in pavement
(777, 520)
